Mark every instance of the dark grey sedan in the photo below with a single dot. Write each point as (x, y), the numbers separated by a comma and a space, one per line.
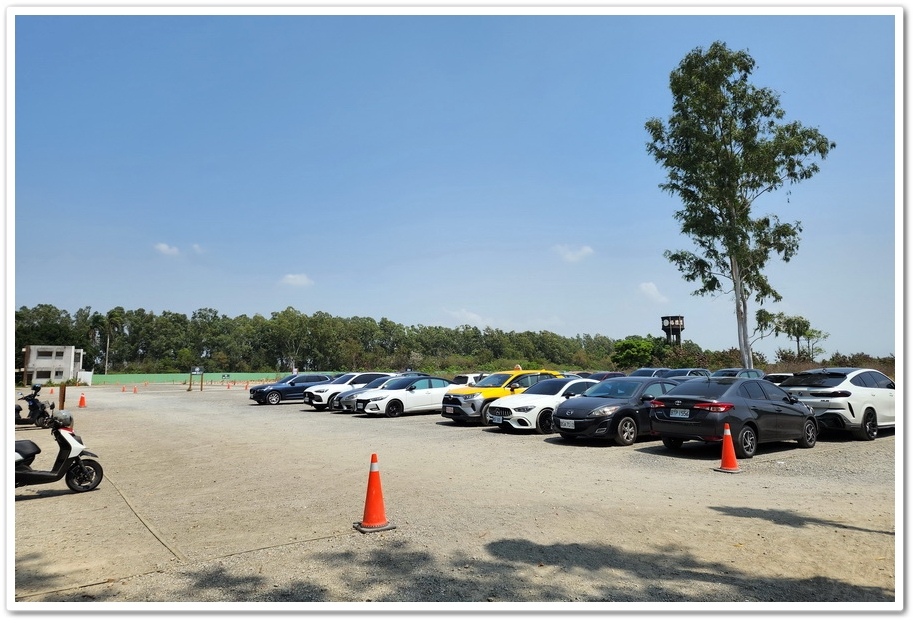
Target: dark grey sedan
(616, 409)
(755, 410)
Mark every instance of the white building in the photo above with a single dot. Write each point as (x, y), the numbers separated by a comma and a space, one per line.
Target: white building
(44, 364)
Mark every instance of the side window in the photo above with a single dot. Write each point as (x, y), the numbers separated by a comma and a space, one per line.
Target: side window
(774, 393)
(527, 380)
(655, 389)
(433, 383)
(882, 381)
(860, 380)
(753, 391)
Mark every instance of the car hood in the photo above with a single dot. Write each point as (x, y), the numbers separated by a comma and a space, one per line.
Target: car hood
(581, 406)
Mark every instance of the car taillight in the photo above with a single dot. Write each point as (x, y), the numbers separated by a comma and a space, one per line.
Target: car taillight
(714, 407)
(656, 404)
(839, 393)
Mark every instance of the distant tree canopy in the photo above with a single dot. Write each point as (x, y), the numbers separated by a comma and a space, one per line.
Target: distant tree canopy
(137, 341)
(723, 147)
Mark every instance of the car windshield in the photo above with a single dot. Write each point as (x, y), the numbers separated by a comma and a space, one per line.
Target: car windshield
(286, 379)
(343, 379)
(377, 382)
(399, 382)
(548, 387)
(814, 379)
(703, 388)
(614, 388)
(494, 380)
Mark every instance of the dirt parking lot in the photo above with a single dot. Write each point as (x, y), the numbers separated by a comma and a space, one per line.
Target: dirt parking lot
(211, 499)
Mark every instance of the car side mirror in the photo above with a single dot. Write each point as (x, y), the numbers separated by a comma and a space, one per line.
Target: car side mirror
(647, 397)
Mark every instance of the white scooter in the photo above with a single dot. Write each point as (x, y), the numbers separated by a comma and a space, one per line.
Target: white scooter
(80, 474)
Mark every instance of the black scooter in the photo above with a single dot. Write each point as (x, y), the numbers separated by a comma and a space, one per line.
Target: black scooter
(72, 463)
(40, 413)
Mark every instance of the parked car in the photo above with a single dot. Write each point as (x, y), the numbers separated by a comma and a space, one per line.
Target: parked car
(600, 376)
(291, 387)
(755, 410)
(471, 378)
(533, 408)
(470, 404)
(615, 409)
(859, 400)
(686, 372)
(649, 372)
(744, 373)
(404, 395)
(346, 401)
(319, 397)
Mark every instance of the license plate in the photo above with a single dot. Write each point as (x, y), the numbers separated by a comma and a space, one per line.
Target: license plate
(567, 423)
(496, 419)
(449, 409)
(680, 413)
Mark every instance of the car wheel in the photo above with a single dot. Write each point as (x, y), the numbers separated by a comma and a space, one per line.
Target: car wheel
(483, 413)
(273, 398)
(394, 409)
(868, 431)
(746, 443)
(672, 444)
(544, 423)
(331, 400)
(626, 431)
(810, 434)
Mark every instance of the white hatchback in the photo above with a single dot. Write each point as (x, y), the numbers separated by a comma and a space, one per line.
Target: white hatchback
(533, 408)
(409, 394)
(860, 400)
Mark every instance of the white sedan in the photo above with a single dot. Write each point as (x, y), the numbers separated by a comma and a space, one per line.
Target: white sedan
(410, 394)
(533, 408)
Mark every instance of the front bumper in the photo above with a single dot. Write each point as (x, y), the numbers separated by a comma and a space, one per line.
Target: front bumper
(462, 410)
(600, 427)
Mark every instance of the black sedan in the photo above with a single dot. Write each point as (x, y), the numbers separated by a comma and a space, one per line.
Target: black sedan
(755, 410)
(616, 409)
(290, 387)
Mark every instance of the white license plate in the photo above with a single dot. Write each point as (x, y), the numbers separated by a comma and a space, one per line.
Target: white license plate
(567, 423)
(449, 409)
(681, 413)
(496, 419)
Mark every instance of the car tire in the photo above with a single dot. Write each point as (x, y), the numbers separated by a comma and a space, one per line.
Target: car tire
(544, 422)
(746, 443)
(273, 398)
(626, 431)
(671, 443)
(809, 438)
(868, 431)
(483, 413)
(394, 409)
(331, 399)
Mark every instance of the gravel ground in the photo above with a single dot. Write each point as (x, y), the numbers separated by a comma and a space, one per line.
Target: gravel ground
(213, 503)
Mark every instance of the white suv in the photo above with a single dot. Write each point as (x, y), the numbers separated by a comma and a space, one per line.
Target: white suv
(320, 396)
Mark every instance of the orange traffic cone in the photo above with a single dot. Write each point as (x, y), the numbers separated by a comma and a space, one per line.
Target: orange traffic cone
(374, 512)
(82, 401)
(135, 389)
(729, 462)
(123, 388)
(246, 386)
(51, 393)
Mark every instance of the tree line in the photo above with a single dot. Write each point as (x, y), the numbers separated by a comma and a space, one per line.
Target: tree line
(137, 341)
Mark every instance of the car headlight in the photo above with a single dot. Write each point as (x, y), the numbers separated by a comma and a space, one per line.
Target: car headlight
(319, 391)
(469, 397)
(524, 409)
(376, 398)
(605, 411)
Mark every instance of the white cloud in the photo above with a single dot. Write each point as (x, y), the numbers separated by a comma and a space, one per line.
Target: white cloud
(199, 250)
(296, 280)
(466, 317)
(165, 249)
(570, 254)
(650, 291)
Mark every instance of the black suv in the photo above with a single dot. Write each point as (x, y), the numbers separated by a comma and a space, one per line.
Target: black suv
(291, 387)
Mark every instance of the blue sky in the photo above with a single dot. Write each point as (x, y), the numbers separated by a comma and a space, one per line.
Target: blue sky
(436, 170)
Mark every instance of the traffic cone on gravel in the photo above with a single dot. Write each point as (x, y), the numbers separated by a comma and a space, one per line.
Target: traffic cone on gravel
(374, 511)
(729, 461)
(135, 389)
(82, 403)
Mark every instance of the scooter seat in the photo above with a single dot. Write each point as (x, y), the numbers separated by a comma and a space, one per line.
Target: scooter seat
(26, 448)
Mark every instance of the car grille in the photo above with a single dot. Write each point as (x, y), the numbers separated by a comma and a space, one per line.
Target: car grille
(451, 401)
(500, 411)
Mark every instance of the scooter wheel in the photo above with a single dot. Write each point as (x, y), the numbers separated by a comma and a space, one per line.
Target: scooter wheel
(85, 478)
